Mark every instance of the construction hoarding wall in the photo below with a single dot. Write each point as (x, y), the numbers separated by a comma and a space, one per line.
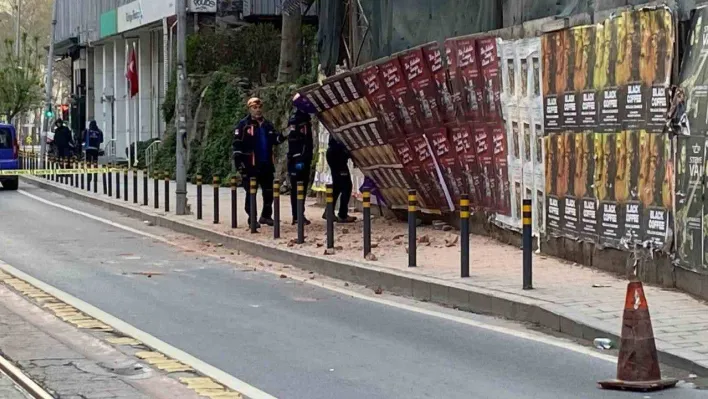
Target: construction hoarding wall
(522, 104)
(691, 210)
(608, 156)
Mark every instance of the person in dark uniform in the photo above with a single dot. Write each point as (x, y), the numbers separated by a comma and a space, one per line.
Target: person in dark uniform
(93, 138)
(253, 142)
(300, 148)
(63, 140)
(338, 160)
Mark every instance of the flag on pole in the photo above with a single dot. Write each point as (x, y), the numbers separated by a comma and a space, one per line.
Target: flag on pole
(132, 73)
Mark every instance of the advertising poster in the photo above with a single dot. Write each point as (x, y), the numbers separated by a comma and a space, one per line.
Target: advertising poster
(450, 167)
(689, 202)
(550, 44)
(422, 84)
(463, 140)
(434, 186)
(484, 151)
(468, 83)
(419, 174)
(434, 57)
(455, 82)
(491, 74)
(501, 186)
(394, 80)
(381, 101)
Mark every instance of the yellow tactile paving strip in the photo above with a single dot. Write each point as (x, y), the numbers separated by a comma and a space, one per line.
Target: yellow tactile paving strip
(203, 386)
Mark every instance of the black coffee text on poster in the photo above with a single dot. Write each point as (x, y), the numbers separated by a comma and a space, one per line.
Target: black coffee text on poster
(609, 113)
(610, 220)
(570, 214)
(632, 222)
(589, 218)
(552, 117)
(634, 105)
(657, 107)
(656, 226)
(588, 111)
(570, 110)
(553, 213)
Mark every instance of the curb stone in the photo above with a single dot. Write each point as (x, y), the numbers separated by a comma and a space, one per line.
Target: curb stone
(463, 297)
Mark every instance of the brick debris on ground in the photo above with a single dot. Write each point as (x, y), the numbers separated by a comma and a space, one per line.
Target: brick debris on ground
(587, 296)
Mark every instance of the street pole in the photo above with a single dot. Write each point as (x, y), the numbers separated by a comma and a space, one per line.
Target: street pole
(48, 87)
(182, 110)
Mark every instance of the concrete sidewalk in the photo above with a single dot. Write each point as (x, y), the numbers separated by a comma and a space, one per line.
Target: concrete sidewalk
(576, 300)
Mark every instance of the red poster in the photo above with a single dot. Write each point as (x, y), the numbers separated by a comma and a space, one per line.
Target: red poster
(434, 187)
(381, 100)
(392, 75)
(455, 80)
(501, 170)
(417, 173)
(470, 79)
(434, 58)
(450, 166)
(483, 145)
(463, 142)
(420, 81)
(489, 63)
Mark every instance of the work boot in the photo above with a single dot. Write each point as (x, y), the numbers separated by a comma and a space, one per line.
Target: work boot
(266, 221)
(258, 225)
(307, 222)
(348, 219)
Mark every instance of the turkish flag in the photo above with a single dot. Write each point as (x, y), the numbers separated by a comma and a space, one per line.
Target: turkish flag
(132, 73)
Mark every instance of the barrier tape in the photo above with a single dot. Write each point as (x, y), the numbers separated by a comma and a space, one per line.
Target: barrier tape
(49, 172)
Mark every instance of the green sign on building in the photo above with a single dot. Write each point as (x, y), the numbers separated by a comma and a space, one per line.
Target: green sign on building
(109, 23)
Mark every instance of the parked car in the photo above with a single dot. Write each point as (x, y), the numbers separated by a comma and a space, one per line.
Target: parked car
(9, 155)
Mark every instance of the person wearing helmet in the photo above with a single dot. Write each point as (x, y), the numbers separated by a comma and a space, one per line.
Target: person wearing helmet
(253, 155)
(63, 139)
(300, 149)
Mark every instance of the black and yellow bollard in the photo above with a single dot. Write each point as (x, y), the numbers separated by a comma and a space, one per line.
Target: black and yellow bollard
(71, 175)
(156, 189)
(234, 203)
(465, 235)
(104, 182)
(167, 191)
(276, 209)
(117, 183)
(199, 197)
(109, 173)
(300, 212)
(366, 205)
(412, 241)
(329, 196)
(135, 186)
(146, 179)
(215, 182)
(95, 178)
(528, 245)
(125, 184)
(252, 220)
(82, 172)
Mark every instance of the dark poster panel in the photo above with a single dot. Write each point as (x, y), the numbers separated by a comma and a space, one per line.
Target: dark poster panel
(569, 97)
(627, 185)
(421, 82)
(394, 80)
(656, 184)
(554, 205)
(611, 211)
(485, 161)
(432, 186)
(657, 44)
(418, 176)
(463, 140)
(434, 57)
(455, 81)
(583, 76)
(468, 81)
(565, 147)
(611, 100)
(491, 74)
(583, 185)
(381, 100)
(551, 111)
(689, 201)
(501, 170)
(445, 153)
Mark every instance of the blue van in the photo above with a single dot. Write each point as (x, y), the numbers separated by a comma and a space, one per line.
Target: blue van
(9, 155)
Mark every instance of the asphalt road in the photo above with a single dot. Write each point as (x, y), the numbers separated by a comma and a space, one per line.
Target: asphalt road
(289, 339)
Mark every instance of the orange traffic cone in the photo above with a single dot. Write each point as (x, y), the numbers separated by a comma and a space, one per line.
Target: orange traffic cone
(638, 362)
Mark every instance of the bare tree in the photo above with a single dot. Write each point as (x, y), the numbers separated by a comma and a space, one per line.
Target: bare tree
(20, 78)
